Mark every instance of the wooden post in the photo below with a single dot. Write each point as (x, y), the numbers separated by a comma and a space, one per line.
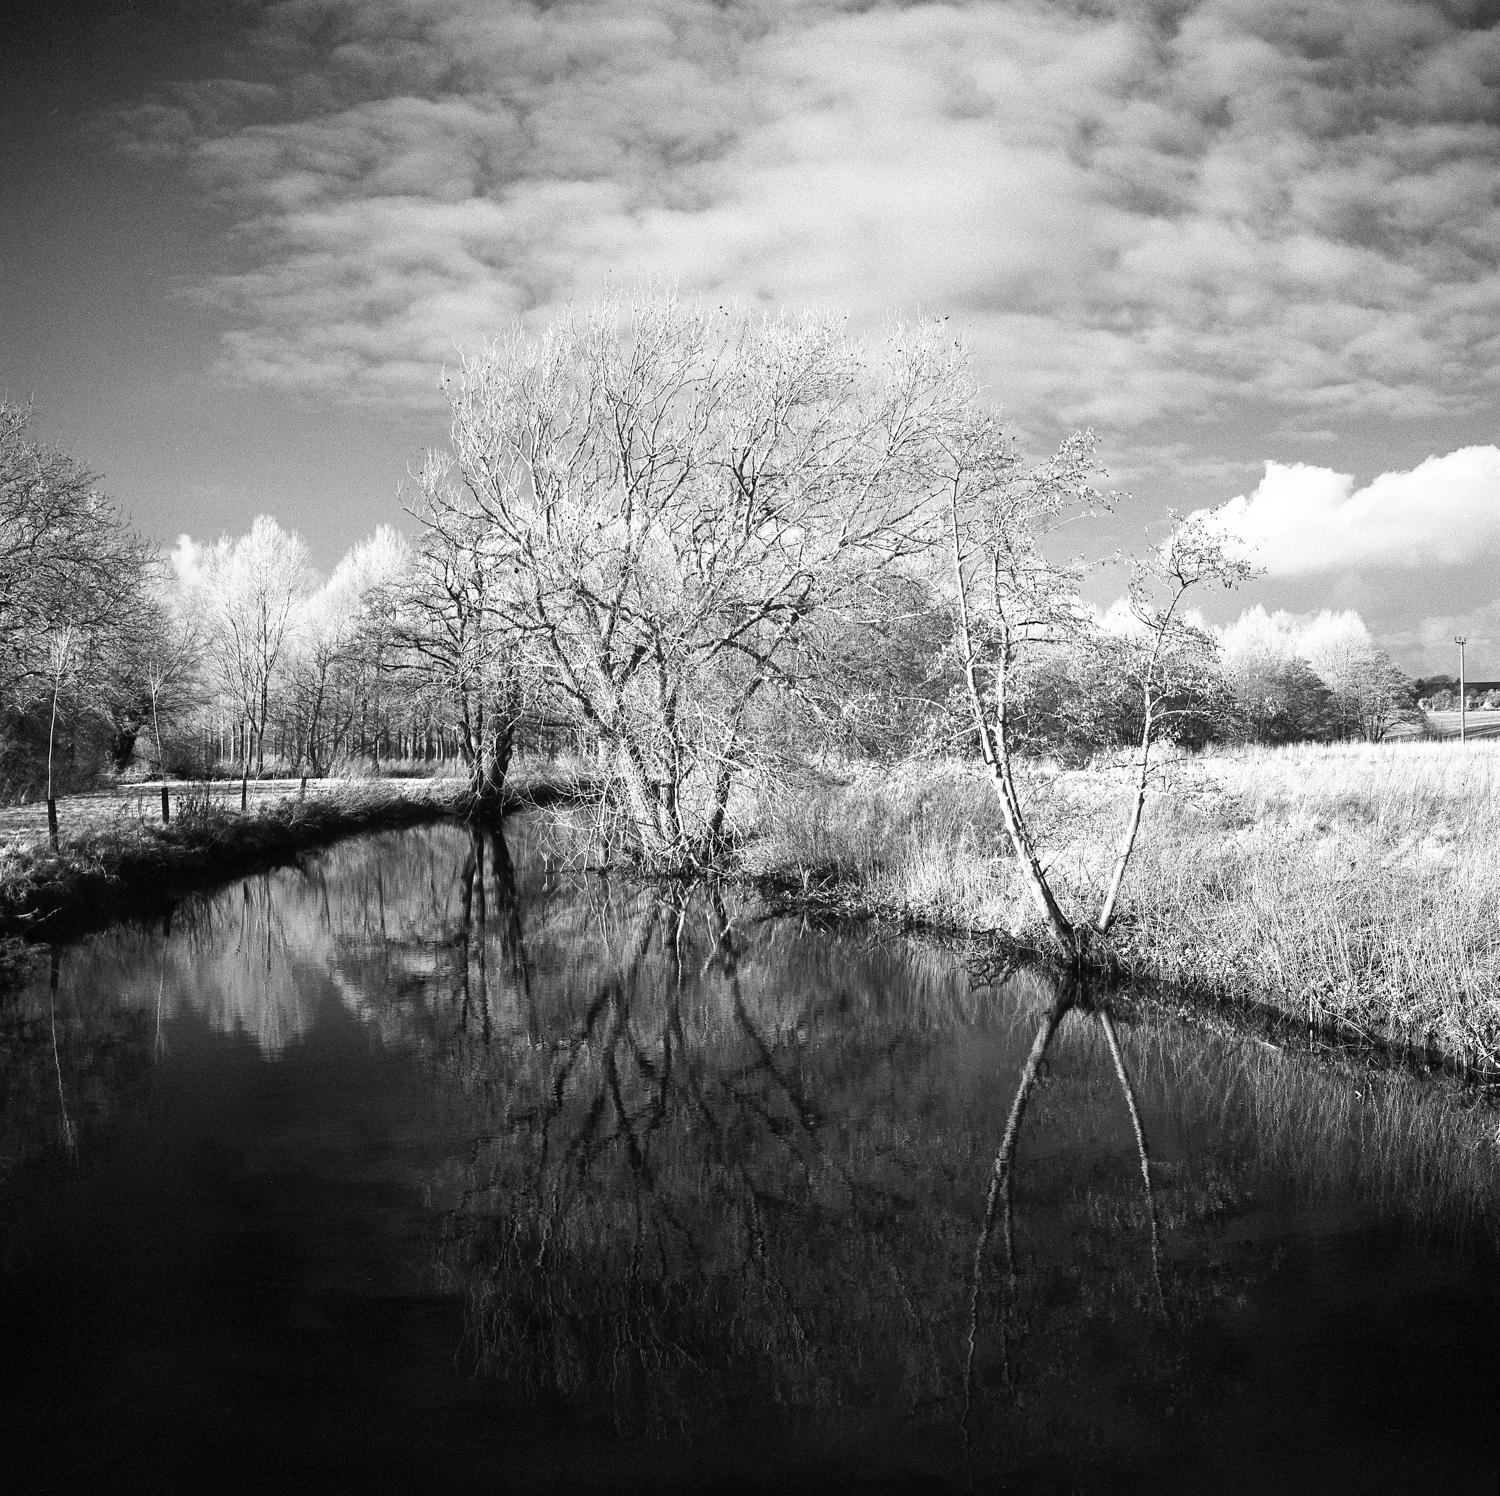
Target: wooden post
(1463, 704)
(52, 821)
(166, 805)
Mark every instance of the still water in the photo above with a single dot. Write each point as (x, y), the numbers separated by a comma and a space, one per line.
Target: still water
(432, 1166)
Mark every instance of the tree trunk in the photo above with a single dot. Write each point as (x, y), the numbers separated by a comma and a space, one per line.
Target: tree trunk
(644, 804)
(487, 770)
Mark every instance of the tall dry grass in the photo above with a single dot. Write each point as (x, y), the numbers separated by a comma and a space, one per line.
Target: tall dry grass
(1354, 886)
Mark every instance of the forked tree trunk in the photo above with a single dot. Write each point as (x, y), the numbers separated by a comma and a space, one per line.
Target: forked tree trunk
(995, 746)
(488, 767)
(996, 751)
(644, 804)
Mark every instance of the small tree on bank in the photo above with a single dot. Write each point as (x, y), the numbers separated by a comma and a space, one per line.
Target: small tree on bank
(1011, 599)
(1171, 655)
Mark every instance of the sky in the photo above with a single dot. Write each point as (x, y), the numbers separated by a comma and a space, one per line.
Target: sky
(1254, 244)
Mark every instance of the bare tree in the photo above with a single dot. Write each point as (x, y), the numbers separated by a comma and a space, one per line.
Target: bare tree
(151, 668)
(466, 651)
(1011, 597)
(663, 495)
(1169, 650)
(251, 588)
(340, 657)
(71, 570)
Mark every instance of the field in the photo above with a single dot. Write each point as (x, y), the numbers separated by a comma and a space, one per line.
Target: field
(126, 807)
(1356, 887)
(1476, 724)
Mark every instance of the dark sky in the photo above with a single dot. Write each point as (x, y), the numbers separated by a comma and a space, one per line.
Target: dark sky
(239, 241)
(102, 261)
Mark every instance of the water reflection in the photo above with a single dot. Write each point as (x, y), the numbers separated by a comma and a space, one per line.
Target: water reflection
(748, 1181)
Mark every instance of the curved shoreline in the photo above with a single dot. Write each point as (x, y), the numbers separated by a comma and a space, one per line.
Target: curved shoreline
(127, 868)
(1242, 1013)
(124, 868)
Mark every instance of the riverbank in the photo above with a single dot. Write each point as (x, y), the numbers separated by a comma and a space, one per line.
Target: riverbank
(116, 861)
(1355, 889)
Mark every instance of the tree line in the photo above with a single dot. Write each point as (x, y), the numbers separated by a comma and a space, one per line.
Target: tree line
(698, 544)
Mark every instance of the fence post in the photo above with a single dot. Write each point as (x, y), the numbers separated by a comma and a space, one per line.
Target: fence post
(166, 805)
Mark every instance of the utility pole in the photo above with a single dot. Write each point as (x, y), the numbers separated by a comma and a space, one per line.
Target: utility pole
(1463, 703)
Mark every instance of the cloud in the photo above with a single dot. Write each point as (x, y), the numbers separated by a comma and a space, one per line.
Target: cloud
(1304, 519)
(1136, 218)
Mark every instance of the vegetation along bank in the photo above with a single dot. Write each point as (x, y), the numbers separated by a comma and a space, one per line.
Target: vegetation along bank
(115, 861)
(804, 609)
(1352, 887)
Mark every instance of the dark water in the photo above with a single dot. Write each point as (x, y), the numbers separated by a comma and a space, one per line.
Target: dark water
(426, 1168)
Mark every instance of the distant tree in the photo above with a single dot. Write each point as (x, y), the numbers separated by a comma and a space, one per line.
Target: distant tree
(340, 658)
(1079, 702)
(1277, 697)
(877, 676)
(1370, 695)
(250, 590)
(1283, 702)
(461, 646)
(154, 678)
(1427, 686)
(1377, 696)
(72, 576)
(67, 559)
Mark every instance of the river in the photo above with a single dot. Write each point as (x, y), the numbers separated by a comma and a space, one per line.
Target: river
(434, 1164)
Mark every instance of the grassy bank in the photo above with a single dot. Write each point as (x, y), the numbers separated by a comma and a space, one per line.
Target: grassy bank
(114, 862)
(1355, 887)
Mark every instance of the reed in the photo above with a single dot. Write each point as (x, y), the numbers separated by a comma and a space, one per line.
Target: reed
(1353, 887)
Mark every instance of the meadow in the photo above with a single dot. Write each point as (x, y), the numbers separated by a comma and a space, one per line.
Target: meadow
(1355, 887)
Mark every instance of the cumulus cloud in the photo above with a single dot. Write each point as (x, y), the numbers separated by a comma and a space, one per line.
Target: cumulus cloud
(1138, 211)
(1303, 519)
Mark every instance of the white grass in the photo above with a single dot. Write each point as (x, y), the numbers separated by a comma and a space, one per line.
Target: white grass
(1351, 884)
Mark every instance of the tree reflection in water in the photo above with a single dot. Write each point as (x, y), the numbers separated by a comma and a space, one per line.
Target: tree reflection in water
(728, 1171)
(661, 1215)
(735, 1171)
